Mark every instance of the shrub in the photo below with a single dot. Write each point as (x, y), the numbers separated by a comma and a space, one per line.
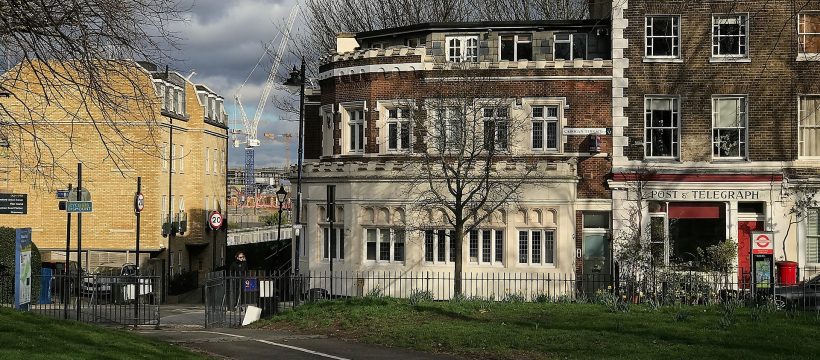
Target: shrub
(514, 298)
(541, 298)
(420, 296)
(375, 292)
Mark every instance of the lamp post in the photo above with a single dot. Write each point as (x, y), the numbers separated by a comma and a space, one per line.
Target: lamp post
(297, 78)
(280, 197)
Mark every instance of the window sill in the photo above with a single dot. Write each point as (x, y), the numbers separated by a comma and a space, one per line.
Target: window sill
(383, 262)
(649, 59)
(729, 160)
(729, 59)
(661, 159)
(326, 261)
(808, 57)
(544, 266)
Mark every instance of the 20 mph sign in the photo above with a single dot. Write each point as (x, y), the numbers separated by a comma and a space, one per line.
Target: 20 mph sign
(215, 220)
(763, 242)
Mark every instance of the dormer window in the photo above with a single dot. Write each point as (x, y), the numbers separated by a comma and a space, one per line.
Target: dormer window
(462, 48)
(570, 46)
(516, 47)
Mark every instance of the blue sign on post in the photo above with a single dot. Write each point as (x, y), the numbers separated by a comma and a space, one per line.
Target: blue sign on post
(22, 268)
(78, 206)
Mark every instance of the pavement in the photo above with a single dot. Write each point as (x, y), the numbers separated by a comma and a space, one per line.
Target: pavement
(183, 325)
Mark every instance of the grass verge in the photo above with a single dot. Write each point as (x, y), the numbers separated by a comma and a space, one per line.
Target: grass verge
(29, 336)
(515, 330)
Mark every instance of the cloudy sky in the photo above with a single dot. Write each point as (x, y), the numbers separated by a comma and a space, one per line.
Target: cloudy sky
(222, 41)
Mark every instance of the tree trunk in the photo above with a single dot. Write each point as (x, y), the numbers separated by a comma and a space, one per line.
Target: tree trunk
(459, 266)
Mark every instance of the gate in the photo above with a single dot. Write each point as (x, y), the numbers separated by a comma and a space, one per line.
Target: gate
(229, 296)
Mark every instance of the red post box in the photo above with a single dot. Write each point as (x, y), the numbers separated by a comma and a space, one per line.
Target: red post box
(786, 272)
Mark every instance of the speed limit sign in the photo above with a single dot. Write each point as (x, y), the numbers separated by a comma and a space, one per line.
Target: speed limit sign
(139, 202)
(215, 220)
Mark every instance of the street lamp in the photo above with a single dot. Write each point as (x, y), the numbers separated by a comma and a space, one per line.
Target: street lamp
(280, 196)
(297, 78)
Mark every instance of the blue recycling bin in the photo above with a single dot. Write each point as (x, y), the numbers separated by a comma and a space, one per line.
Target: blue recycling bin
(45, 286)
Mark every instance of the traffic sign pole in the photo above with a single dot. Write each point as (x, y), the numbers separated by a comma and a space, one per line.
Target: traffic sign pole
(79, 241)
(67, 276)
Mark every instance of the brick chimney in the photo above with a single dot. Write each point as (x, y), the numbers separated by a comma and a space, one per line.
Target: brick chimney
(600, 9)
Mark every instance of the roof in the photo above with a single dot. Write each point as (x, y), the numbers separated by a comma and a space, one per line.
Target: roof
(483, 25)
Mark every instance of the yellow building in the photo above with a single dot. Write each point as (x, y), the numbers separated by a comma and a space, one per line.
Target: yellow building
(158, 125)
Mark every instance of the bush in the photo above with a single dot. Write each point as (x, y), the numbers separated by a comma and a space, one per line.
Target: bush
(420, 296)
(514, 298)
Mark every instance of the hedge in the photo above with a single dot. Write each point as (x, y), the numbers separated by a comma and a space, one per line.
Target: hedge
(7, 236)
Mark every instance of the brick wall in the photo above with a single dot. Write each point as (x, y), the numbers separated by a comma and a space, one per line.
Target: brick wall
(772, 79)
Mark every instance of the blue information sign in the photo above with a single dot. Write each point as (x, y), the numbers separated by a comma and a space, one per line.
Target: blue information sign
(22, 268)
(250, 285)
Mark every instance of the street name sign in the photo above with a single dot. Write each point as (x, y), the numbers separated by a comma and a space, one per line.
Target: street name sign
(78, 206)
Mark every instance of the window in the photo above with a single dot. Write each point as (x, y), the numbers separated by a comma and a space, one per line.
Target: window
(663, 36)
(398, 130)
(729, 35)
(439, 247)
(516, 47)
(462, 48)
(808, 33)
(416, 42)
(657, 238)
(216, 162)
(449, 127)
(385, 245)
(813, 236)
(545, 128)
(181, 158)
(570, 46)
(486, 246)
(729, 127)
(356, 130)
(495, 128)
(173, 158)
(661, 127)
(164, 156)
(536, 247)
(809, 123)
(207, 161)
(335, 247)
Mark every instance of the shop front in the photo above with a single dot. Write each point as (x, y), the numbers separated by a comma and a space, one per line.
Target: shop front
(691, 224)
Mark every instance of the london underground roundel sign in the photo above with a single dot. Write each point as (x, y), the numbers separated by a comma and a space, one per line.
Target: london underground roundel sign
(139, 202)
(215, 220)
(762, 242)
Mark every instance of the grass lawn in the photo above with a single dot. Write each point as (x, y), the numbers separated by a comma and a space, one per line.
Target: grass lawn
(29, 336)
(480, 329)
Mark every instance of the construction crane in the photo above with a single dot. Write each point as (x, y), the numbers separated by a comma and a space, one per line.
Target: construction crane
(251, 125)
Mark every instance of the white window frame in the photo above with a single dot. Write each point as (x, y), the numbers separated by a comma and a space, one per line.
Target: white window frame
(675, 128)
(676, 36)
(181, 158)
(544, 120)
(325, 241)
(801, 37)
(392, 241)
(400, 119)
(800, 116)
(480, 250)
(497, 119)
(516, 41)
(812, 259)
(743, 138)
(743, 20)
(446, 114)
(665, 240)
(354, 124)
(449, 255)
(216, 162)
(542, 242)
(207, 161)
(164, 156)
(571, 42)
(173, 158)
(464, 48)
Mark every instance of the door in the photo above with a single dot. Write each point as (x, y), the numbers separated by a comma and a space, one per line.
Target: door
(596, 268)
(744, 244)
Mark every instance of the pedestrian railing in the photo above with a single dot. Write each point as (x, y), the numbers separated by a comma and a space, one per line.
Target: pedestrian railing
(100, 299)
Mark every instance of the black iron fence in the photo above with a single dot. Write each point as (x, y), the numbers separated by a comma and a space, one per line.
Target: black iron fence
(100, 299)
(229, 296)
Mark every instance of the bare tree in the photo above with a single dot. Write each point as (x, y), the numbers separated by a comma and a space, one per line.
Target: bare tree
(61, 57)
(468, 168)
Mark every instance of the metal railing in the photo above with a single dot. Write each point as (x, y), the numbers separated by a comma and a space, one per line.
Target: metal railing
(100, 299)
(229, 295)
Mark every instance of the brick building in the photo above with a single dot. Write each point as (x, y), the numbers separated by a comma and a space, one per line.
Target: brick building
(714, 115)
(540, 93)
(169, 131)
